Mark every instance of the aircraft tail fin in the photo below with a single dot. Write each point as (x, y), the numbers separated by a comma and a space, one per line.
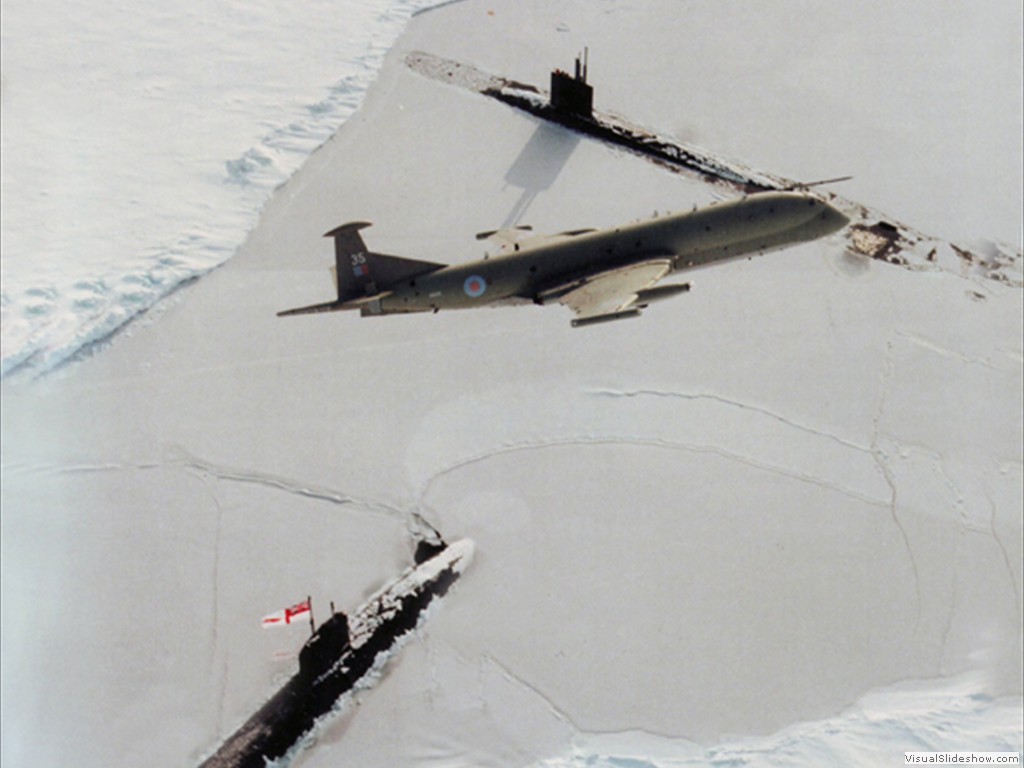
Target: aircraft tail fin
(360, 273)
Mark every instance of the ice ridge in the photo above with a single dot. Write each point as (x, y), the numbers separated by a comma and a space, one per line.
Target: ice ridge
(144, 207)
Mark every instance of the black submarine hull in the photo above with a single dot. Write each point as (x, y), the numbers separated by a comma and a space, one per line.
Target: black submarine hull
(340, 654)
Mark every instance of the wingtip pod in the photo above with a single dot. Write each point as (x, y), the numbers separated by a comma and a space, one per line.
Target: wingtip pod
(660, 293)
(582, 322)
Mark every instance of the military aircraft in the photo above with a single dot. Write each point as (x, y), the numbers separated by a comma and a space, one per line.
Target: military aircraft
(602, 275)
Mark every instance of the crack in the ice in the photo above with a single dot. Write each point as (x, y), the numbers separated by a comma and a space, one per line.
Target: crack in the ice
(215, 621)
(519, 682)
(955, 598)
(880, 459)
(418, 527)
(289, 485)
(1009, 569)
(733, 403)
(894, 503)
(959, 503)
(599, 440)
(938, 349)
(560, 715)
(1016, 354)
(233, 474)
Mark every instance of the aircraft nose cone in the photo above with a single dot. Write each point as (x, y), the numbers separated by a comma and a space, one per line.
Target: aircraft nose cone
(833, 219)
(824, 217)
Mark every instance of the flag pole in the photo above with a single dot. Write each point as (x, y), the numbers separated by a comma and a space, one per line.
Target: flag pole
(312, 625)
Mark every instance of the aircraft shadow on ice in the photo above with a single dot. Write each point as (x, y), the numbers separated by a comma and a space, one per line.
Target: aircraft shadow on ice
(538, 165)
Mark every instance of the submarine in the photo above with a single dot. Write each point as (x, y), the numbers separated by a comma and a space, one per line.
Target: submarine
(340, 657)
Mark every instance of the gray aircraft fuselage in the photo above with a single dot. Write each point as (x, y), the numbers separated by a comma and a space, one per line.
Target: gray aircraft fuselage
(543, 269)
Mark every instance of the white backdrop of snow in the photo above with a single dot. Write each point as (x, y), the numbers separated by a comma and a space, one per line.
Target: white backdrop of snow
(743, 512)
(141, 141)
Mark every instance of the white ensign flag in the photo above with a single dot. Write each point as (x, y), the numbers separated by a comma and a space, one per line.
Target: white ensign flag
(287, 615)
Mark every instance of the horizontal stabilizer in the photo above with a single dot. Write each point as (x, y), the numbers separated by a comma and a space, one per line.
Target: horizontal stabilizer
(330, 306)
(362, 277)
(508, 233)
(336, 306)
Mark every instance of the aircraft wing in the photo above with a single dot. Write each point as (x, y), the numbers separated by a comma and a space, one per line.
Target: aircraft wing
(516, 238)
(614, 294)
(506, 237)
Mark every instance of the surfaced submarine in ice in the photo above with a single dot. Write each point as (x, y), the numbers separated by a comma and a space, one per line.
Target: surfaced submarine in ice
(602, 275)
(340, 657)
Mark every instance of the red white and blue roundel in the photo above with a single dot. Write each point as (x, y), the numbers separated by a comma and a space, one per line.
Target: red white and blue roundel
(474, 286)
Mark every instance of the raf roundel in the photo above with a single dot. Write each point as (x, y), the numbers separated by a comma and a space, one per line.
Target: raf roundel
(474, 286)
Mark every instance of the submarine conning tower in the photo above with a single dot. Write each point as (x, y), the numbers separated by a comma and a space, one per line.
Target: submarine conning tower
(570, 94)
(325, 645)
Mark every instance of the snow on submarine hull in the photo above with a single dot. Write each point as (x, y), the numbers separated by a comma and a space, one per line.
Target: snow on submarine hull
(340, 657)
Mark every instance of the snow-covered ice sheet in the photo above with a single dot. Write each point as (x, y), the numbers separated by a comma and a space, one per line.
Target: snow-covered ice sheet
(733, 528)
(875, 731)
(141, 141)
